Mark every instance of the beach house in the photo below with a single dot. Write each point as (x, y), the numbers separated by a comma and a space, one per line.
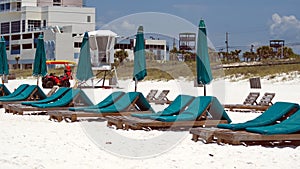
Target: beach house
(62, 22)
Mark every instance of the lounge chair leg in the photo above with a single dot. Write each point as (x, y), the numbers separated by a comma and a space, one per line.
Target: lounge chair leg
(195, 137)
(119, 126)
(73, 117)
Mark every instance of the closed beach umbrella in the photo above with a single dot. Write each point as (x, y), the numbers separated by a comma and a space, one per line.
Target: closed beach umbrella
(204, 75)
(84, 68)
(139, 71)
(39, 66)
(3, 59)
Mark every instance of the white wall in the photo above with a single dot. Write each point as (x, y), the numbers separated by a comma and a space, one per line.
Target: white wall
(64, 49)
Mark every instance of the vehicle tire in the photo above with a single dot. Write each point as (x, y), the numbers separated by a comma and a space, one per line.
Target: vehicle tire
(66, 84)
(49, 84)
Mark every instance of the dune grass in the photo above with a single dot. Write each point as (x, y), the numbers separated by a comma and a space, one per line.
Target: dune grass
(174, 70)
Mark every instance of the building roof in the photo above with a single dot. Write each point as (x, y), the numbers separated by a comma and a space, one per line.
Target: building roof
(102, 33)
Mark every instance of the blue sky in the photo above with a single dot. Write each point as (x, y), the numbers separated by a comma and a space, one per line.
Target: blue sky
(247, 22)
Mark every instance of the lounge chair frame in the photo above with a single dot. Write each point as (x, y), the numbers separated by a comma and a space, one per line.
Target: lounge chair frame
(264, 103)
(151, 95)
(134, 123)
(161, 98)
(33, 96)
(248, 138)
(18, 108)
(209, 135)
(73, 116)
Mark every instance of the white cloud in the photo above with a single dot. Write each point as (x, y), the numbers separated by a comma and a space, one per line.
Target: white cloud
(285, 27)
(121, 27)
(128, 26)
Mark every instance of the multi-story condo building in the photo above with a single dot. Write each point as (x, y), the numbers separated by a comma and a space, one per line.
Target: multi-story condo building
(60, 21)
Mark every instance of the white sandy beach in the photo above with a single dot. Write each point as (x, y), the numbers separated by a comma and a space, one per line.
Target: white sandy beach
(31, 141)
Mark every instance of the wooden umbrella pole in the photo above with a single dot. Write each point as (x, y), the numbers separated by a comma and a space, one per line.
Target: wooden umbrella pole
(135, 87)
(37, 82)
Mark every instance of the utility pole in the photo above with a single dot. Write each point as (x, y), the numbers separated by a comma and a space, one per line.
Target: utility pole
(226, 42)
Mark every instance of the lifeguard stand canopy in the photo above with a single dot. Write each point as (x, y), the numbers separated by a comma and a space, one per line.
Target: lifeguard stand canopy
(102, 44)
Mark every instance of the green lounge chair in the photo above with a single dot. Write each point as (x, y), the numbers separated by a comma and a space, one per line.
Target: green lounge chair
(19, 90)
(68, 100)
(58, 94)
(109, 100)
(26, 105)
(270, 116)
(198, 109)
(3, 90)
(125, 103)
(290, 125)
(195, 115)
(32, 92)
(180, 102)
(286, 132)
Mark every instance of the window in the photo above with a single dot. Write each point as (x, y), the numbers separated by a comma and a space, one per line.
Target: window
(1, 7)
(77, 44)
(7, 6)
(36, 35)
(5, 28)
(56, 2)
(23, 25)
(88, 18)
(34, 24)
(15, 27)
(76, 55)
(18, 6)
(15, 37)
(27, 36)
(27, 46)
(6, 42)
(44, 23)
(15, 49)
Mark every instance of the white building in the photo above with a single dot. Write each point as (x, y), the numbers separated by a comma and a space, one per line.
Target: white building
(61, 21)
(157, 47)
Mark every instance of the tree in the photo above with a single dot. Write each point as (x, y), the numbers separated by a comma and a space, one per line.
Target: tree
(286, 53)
(121, 55)
(249, 56)
(17, 58)
(265, 52)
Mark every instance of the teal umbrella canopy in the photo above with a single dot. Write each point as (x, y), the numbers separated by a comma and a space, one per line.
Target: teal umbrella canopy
(3, 58)
(139, 71)
(39, 66)
(84, 68)
(204, 74)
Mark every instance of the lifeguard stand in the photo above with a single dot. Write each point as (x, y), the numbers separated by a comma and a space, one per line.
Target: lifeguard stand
(277, 44)
(102, 44)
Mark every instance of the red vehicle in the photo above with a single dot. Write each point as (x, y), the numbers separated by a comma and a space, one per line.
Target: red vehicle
(49, 81)
(63, 81)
